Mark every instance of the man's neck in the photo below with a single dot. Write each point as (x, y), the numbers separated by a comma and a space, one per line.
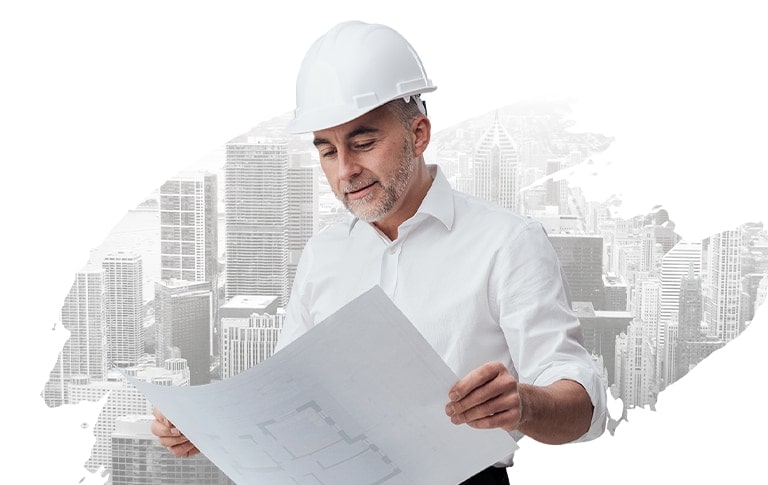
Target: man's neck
(422, 181)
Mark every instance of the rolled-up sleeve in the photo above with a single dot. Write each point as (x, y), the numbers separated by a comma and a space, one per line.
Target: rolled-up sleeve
(542, 332)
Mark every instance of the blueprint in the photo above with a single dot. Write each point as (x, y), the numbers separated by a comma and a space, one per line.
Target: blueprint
(358, 399)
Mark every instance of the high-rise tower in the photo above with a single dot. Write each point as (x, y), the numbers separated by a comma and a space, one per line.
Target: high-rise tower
(683, 258)
(182, 314)
(85, 351)
(189, 234)
(581, 257)
(722, 307)
(496, 168)
(188, 230)
(123, 285)
(303, 205)
(256, 206)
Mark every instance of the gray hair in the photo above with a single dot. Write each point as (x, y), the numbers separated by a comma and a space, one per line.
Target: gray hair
(406, 111)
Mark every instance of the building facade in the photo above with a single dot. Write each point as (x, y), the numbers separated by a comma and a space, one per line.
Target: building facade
(124, 305)
(183, 312)
(256, 206)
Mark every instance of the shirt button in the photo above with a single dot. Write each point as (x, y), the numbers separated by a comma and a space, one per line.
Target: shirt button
(393, 250)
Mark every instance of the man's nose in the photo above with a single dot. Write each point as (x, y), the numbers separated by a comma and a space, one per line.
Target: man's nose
(348, 165)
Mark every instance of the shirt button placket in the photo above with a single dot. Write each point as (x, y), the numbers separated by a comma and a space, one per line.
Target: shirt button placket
(389, 263)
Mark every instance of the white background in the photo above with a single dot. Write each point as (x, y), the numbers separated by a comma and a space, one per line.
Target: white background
(100, 102)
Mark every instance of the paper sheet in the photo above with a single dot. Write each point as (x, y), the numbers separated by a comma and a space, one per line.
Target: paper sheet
(358, 399)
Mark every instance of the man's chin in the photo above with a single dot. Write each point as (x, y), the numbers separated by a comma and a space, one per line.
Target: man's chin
(370, 215)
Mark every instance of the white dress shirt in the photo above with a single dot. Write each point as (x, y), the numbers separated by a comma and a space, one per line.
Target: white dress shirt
(480, 283)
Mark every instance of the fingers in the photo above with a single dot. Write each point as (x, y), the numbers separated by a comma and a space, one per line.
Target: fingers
(501, 412)
(161, 427)
(183, 450)
(480, 386)
(170, 437)
(478, 377)
(487, 397)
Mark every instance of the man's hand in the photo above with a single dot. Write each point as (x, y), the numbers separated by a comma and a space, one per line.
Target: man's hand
(491, 397)
(488, 397)
(170, 437)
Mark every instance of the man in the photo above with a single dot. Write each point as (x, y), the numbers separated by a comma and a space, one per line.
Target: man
(481, 283)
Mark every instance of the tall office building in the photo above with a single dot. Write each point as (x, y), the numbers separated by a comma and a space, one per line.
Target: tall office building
(496, 168)
(121, 399)
(650, 310)
(656, 240)
(761, 293)
(256, 206)
(189, 242)
(615, 292)
(183, 312)
(681, 260)
(581, 257)
(635, 366)
(248, 341)
(188, 229)
(722, 306)
(750, 284)
(303, 205)
(85, 351)
(600, 329)
(556, 190)
(124, 292)
(650, 302)
(139, 459)
(692, 344)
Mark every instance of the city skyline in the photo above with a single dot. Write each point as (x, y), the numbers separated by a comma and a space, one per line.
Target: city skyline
(562, 212)
(676, 84)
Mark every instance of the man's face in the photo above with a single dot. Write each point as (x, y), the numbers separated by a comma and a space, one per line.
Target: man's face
(368, 163)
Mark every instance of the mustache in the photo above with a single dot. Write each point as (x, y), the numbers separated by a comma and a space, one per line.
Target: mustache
(357, 185)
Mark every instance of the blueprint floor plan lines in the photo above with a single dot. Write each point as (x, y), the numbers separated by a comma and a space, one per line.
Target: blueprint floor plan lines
(303, 417)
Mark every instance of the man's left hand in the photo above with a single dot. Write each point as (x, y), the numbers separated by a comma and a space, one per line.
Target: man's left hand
(488, 397)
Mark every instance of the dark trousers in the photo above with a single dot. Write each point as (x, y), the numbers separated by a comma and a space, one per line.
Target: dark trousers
(489, 476)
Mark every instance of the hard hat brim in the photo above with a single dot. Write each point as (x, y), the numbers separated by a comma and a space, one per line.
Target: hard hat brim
(320, 119)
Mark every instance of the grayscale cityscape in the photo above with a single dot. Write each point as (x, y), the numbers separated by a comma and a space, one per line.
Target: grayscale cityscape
(190, 287)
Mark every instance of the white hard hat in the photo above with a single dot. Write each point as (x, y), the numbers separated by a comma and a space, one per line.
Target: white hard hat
(352, 69)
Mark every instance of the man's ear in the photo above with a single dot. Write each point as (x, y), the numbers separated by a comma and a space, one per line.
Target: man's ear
(421, 131)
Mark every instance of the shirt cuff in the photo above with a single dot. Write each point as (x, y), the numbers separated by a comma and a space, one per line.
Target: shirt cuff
(590, 381)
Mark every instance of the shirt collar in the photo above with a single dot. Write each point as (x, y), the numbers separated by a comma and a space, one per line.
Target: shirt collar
(438, 202)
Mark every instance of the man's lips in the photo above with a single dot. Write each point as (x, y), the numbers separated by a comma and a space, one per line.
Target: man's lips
(357, 193)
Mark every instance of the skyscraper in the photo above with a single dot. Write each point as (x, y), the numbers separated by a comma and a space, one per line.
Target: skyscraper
(722, 306)
(85, 351)
(600, 329)
(650, 302)
(188, 229)
(615, 292)
(556, 190)
(303, 205)
(581, 257)
(635, 366)
(123, 287)
(189, 234)
(692, 345)
(496, 168)
(182, 319)
(684, 257)
(256, 205)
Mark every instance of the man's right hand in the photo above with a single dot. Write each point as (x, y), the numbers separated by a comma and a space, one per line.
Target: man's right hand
(170, 437)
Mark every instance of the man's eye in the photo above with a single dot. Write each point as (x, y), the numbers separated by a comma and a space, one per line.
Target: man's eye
(328, 153)
(364, 145)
